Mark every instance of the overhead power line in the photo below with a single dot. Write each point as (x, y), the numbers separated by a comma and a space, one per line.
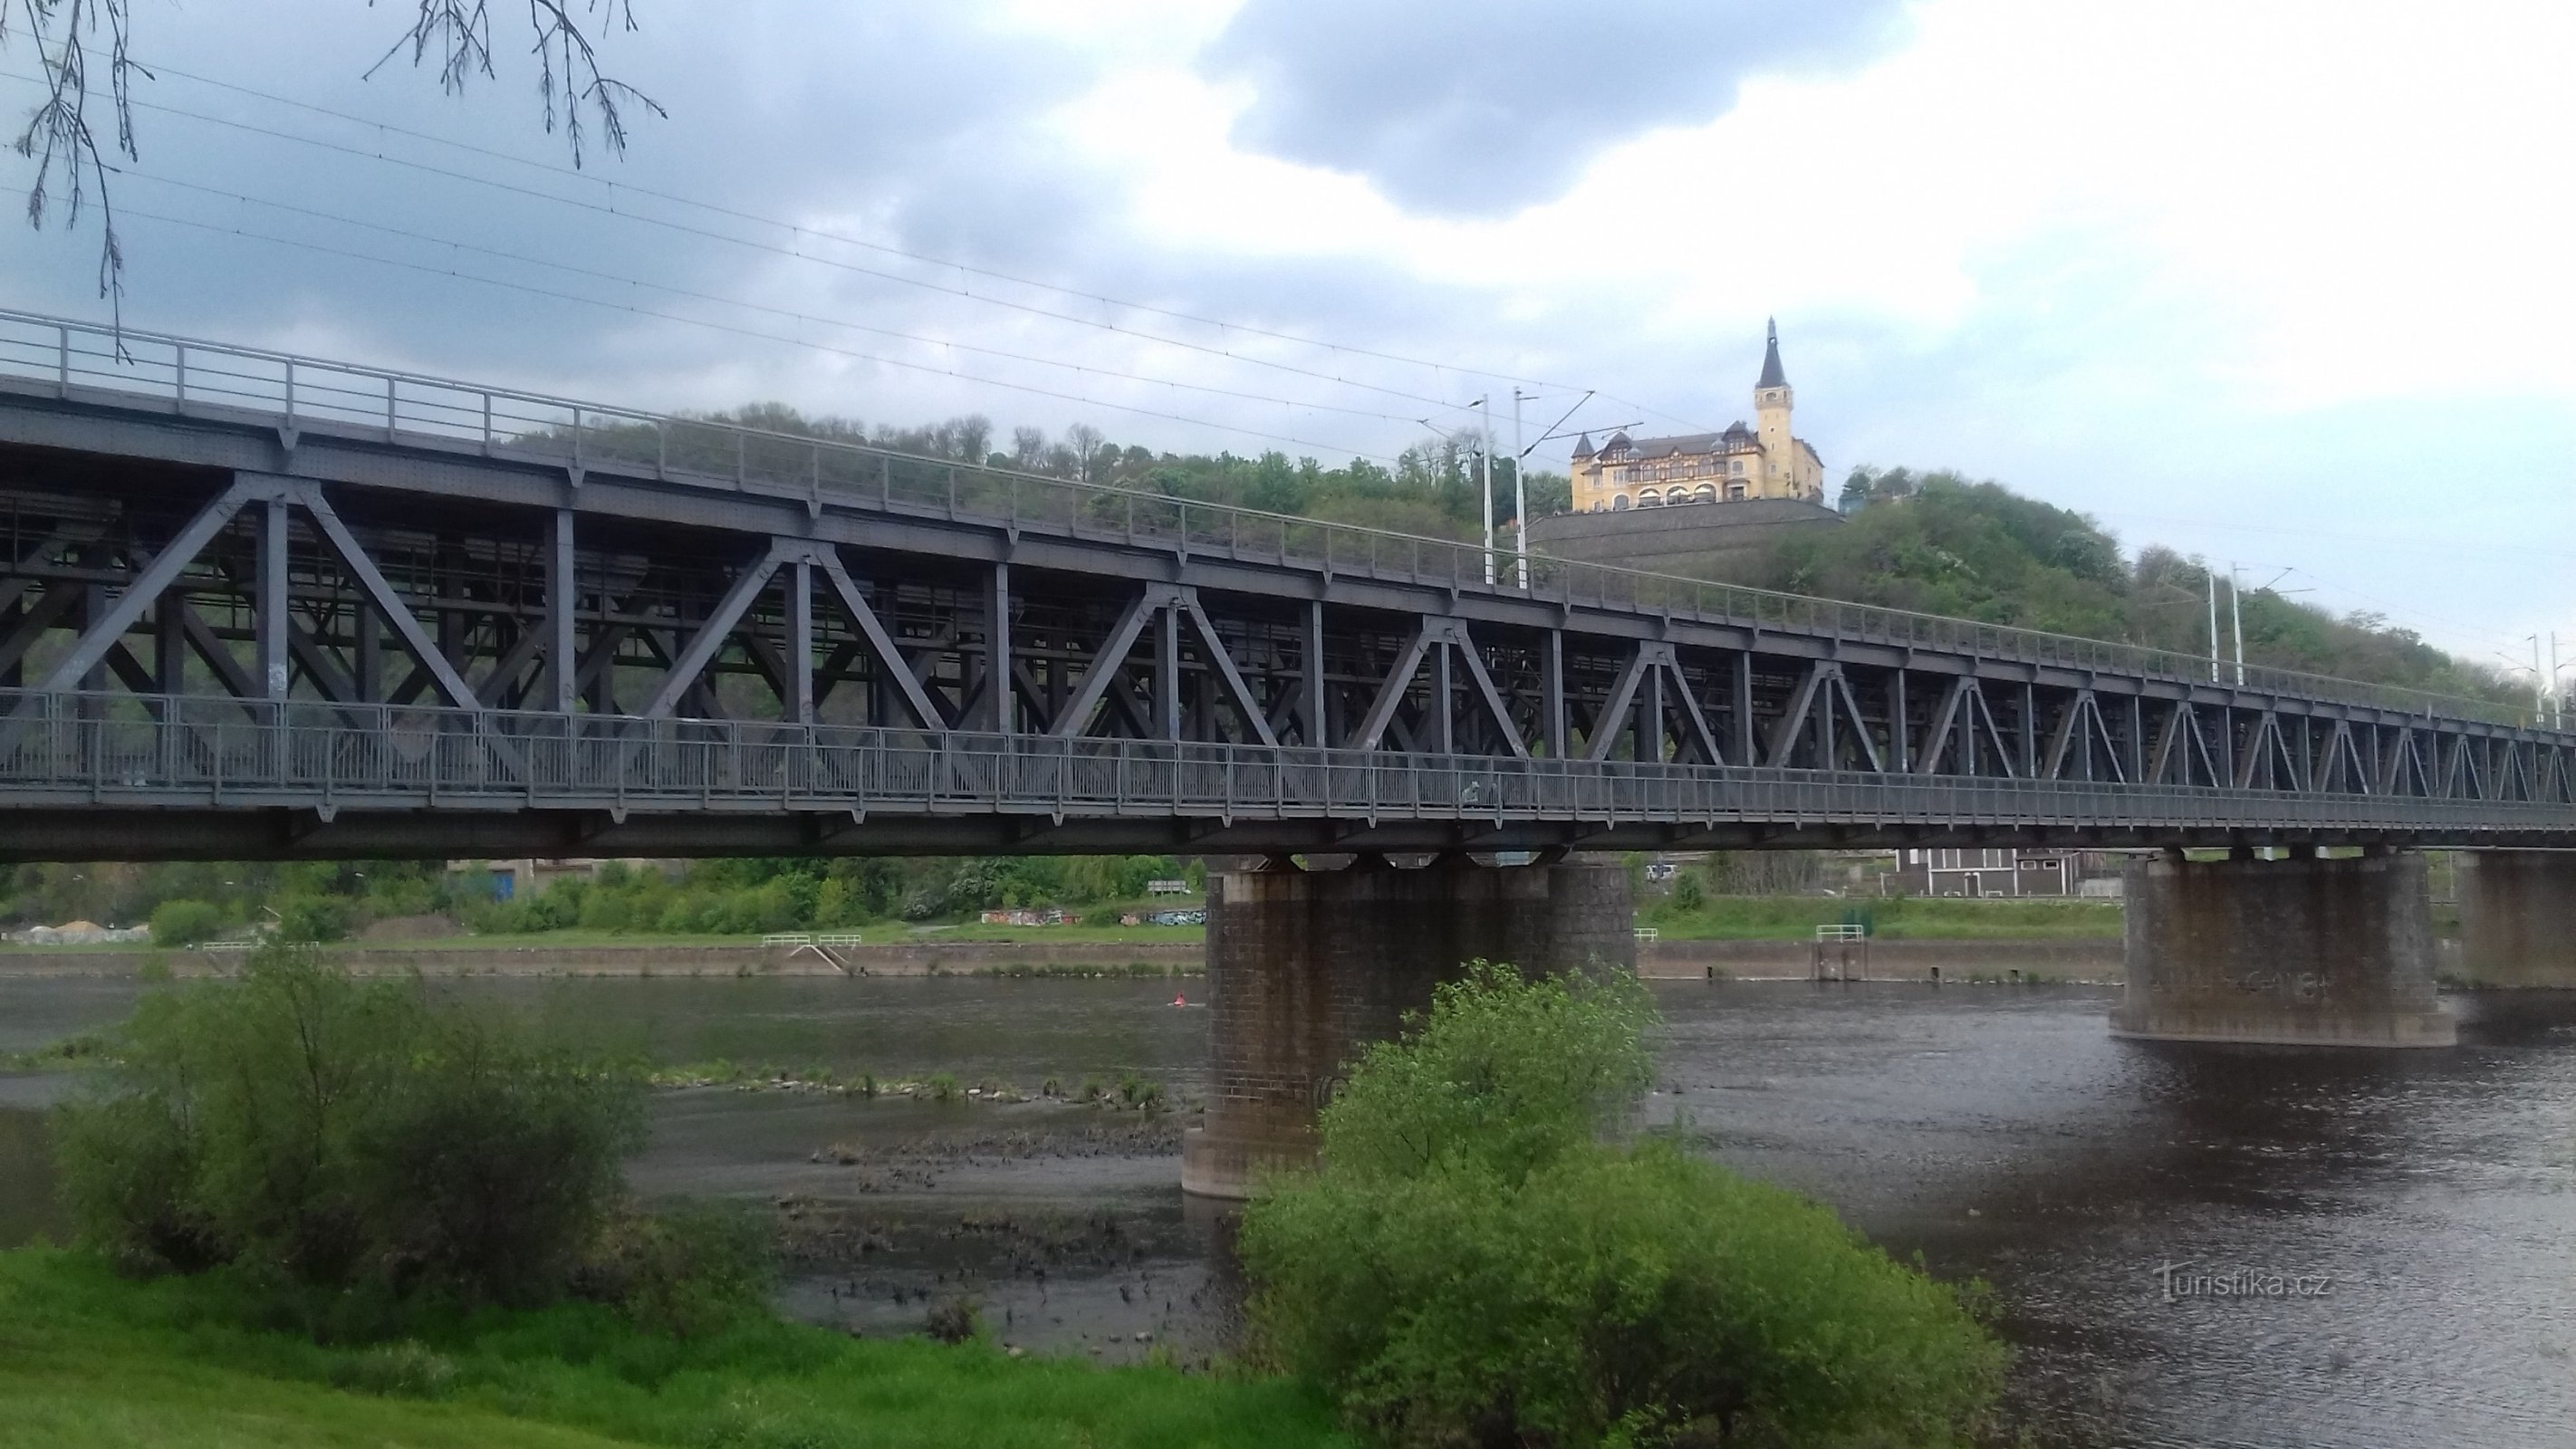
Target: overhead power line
(800, 230)
(784, 312)
(773, 249)
(883, 248)
(747, 332)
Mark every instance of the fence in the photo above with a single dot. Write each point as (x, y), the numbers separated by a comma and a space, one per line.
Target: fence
(198, 378)
(76, 748)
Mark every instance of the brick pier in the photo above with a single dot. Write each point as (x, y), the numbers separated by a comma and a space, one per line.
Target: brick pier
(1306, 968)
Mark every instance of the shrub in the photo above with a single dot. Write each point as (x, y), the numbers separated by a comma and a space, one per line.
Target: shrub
(1142, 1093)
(307, 919)
(347, 1133)
(404, 1369)
(953, 1320)
(1471, 1264)
(685, 1273)
(185, 923)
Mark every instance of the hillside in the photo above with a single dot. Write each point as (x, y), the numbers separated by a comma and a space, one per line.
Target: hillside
(1942, 544)
(1934, 542)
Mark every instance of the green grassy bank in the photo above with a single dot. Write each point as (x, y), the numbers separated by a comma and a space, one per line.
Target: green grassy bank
(90, 1361)
(1895, 918)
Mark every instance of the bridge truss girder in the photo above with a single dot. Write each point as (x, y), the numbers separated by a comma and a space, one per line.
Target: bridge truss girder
(378, 584)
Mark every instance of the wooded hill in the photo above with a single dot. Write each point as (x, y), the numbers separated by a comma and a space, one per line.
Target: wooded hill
(1934, 542)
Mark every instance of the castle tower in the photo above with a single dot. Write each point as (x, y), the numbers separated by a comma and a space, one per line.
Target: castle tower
(1771, 402)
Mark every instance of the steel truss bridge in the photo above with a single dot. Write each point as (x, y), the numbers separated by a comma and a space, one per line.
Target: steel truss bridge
(261, 605)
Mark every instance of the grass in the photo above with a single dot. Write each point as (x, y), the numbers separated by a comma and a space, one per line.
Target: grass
(1072, 935)
(91, 1361)
(1892, 918)
(503, 941)
(883, 933)
(71, 1053)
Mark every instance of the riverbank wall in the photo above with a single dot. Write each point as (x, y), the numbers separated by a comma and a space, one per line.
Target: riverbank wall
(2083, 960)
(465, 958)
(2076, 960)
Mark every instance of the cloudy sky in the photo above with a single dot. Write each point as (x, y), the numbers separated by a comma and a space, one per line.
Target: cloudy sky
(2276, 282)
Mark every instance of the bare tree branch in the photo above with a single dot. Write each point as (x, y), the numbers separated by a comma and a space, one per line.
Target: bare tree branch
(58, 135)
(71, 167)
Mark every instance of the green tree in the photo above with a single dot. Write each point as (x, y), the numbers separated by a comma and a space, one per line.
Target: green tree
(186, 923)
(1472, 1264)
(346, 1132)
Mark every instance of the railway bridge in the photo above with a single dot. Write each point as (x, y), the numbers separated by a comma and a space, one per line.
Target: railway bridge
(261, 605)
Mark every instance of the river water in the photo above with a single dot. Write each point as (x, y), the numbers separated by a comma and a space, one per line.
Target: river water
(2419, 1208)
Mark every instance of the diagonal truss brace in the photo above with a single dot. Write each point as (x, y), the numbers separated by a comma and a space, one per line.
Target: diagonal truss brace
(803, 558)
(1654, 664)
(103, 634)
(1154, 602)
(1443, 634)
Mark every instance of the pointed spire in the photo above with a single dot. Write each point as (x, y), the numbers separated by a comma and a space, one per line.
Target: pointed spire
(1772, 375)
(1583, 448)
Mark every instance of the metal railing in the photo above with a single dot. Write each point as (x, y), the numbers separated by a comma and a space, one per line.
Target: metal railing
(196, 377)
(92, 749)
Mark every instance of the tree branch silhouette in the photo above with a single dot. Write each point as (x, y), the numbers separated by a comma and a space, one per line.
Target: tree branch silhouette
(72, 167)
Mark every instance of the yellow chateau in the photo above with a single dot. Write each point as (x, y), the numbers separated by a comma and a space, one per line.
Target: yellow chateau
(1762, 461)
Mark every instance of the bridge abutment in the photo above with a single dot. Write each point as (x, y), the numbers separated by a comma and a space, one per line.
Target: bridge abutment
(2518, 917)
(1306, 968)
(2306, 951)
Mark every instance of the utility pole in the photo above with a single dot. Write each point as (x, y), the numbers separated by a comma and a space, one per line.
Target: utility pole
(2557, 701)
(2210, 577)
(2546, 685)
(1485, 464)
(2236, 618)
(1520, 497)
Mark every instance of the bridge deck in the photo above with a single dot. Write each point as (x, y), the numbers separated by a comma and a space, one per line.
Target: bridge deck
(257, 604)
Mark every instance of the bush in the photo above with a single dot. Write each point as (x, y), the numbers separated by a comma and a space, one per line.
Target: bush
(1471, 1264)
(307, 919)
(183, 923)
(953, 1321)
(347, 1133)
(686, 1274)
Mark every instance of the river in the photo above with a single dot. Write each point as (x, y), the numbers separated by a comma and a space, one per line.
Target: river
(2420, 1207)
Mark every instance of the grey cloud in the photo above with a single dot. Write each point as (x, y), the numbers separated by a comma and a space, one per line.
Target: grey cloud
(795, 109)
(1480, 108)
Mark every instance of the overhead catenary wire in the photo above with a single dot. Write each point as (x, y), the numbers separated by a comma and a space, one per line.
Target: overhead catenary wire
(220, 229)
(792, 253)
(784, 312)
(884, 248)
(802, 230)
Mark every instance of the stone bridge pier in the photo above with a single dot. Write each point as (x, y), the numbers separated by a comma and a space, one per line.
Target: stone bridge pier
(2518, 917)
(1306, 968)
(2306, 951)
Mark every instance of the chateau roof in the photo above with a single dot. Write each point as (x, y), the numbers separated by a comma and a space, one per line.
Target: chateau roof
(1772, 374)
(1737, 437)
(1583, 449)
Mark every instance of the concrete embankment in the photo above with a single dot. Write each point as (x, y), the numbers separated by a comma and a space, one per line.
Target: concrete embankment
(2083, 960)
(2078, 960)
(466, 958)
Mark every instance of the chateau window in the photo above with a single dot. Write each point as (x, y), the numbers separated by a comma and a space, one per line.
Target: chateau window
(1707, 493)
(1619, 504)
(1649, 499)
(1736, 467)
